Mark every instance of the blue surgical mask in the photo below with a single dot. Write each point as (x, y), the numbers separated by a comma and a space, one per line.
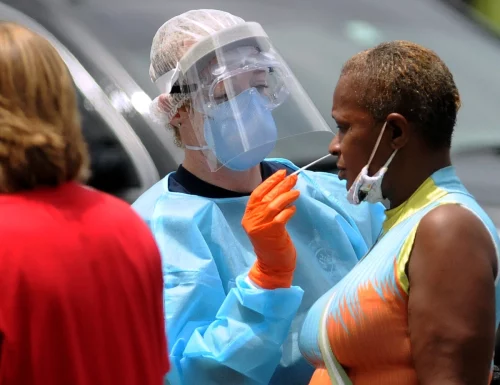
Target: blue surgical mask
(240, 132)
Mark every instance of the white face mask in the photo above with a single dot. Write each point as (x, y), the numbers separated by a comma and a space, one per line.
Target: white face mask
(369, 188)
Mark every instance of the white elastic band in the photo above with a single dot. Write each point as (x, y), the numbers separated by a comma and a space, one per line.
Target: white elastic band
(377, 144)
(196, 148)
(310, 164)
(386, 165)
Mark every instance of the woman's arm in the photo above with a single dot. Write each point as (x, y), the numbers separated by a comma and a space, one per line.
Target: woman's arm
(451, 308)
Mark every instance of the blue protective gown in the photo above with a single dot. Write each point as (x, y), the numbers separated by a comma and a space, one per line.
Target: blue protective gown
(222, 329)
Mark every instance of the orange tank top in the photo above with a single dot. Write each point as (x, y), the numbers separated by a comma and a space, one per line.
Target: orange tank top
(367, 315)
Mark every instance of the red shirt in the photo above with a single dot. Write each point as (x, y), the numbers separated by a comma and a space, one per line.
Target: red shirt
(80, 291)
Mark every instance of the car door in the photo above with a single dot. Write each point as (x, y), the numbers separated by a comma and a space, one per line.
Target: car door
(121, 165)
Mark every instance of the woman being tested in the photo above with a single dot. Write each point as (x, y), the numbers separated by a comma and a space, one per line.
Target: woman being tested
(423, 305)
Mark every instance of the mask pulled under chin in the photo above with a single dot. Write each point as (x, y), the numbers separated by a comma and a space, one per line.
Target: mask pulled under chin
(369, 188)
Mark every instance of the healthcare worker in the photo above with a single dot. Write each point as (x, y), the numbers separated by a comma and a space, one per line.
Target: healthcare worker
(233, 318)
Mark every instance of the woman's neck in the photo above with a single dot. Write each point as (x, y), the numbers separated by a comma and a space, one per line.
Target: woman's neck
(412, 175)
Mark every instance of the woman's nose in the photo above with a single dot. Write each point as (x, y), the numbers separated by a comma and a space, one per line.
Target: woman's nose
(334, 147)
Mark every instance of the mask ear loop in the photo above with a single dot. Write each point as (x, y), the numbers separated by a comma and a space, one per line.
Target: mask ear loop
(386, 165)
(362, 194)
(197, 148)
(374, 151)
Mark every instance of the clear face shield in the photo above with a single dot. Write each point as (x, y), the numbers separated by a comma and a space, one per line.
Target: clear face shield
(243, 98)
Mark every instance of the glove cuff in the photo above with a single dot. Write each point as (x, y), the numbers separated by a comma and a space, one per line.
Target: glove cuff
(271, 279)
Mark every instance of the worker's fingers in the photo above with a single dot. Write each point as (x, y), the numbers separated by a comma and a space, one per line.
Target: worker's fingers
(283, 201)
(266, 215)
(278, 205)
(285, 215)
(265, 187)
(284, 186)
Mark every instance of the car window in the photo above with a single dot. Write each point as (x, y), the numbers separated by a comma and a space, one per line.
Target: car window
(112, 170)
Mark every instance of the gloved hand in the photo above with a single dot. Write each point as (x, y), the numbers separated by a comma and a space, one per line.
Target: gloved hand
(266, 216)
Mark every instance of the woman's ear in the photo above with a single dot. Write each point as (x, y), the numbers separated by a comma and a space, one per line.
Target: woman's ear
(181, 116)
(400, 130)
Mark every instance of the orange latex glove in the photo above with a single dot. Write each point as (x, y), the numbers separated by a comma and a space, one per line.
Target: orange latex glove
(266, 216)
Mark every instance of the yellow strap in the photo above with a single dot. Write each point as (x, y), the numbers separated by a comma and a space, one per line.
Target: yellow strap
(403, 258)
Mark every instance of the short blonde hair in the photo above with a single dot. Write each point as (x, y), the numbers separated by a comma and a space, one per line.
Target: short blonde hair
(41, 141)
(407, 78)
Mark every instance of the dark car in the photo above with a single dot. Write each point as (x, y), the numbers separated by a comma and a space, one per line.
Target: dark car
(128, 152)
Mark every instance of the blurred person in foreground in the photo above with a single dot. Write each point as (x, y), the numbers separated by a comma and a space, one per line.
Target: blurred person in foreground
(422, 306)
(81, 287)
(229, 97)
